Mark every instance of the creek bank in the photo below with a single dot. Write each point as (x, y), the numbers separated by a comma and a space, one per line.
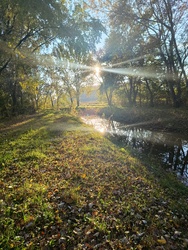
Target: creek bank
(161, 119)
(170, 149)
(160, 134)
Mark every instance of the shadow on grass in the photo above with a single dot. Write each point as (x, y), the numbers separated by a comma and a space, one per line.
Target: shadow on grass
(166, 179)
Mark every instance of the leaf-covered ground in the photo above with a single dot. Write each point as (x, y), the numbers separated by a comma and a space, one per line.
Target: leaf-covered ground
(63, 186)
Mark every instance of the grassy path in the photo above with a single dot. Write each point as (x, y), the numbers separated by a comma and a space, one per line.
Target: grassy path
(63, 186)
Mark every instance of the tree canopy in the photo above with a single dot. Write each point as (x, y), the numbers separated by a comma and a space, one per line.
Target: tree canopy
(29, 30)
(150, 37)
(144, 59)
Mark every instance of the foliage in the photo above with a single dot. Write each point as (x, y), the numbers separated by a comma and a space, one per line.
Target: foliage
(147, 43)
(28, 32)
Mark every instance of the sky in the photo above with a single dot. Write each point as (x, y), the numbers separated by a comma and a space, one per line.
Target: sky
(101, 44)
(101, 16)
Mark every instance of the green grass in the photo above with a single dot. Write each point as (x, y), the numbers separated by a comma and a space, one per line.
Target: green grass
(64, 186)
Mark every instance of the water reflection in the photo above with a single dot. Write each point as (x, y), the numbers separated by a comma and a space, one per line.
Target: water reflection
(170, 148)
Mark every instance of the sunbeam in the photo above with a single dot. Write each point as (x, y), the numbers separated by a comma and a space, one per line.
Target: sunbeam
(131, 60)
(51, 61)
(142, 72)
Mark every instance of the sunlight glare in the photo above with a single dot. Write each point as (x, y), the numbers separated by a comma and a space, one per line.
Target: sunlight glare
(97, 70)
(50, 61)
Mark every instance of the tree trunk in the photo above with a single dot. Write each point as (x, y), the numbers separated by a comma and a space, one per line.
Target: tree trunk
(135, 92)
(151, 96)
(185, 162)
(5, 64)
(130, 91)
(14, 99)
(77, 100)
(176, 162)
(52, 102)
(109, 96)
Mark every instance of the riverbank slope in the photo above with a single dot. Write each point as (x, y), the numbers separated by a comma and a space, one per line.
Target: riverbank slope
(166, 119)
(65, 186)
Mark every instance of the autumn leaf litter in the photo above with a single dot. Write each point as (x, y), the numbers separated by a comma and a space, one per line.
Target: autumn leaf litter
(80, 191)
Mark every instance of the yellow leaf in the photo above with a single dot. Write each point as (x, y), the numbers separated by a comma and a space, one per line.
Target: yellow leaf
(83, 176)
(162, 241)
(122, 150)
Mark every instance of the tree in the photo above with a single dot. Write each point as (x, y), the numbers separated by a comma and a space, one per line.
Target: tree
(26, 26)
(164, 23)
(32, 29)
(124, 51)
(80, 74)
(68, 85)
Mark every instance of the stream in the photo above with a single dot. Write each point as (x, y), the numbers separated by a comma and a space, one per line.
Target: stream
(170, 148)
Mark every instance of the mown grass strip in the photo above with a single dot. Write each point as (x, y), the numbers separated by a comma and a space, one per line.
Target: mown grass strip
(66, 187)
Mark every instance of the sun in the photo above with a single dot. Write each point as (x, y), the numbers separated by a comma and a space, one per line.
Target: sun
(97, 70)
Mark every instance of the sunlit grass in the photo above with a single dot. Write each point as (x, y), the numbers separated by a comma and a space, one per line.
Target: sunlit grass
(67, 188)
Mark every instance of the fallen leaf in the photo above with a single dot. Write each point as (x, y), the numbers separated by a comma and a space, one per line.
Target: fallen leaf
(161, 241)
